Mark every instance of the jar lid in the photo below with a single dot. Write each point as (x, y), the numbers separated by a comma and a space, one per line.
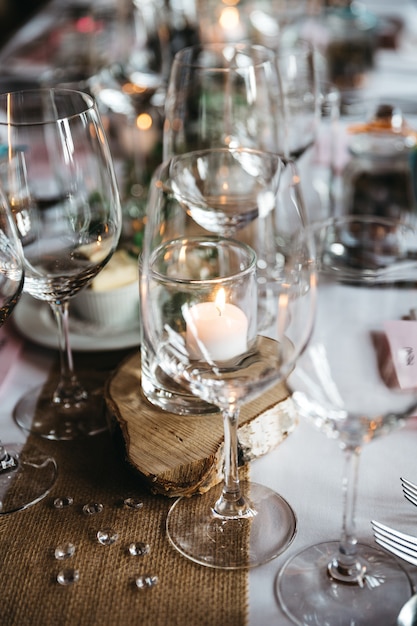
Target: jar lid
(387, 133)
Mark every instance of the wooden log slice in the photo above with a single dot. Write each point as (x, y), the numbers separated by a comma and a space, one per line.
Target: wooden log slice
(183, 455)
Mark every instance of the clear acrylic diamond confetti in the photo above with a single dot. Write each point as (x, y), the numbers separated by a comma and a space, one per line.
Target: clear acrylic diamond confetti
(133, 503)
(64, 502)
(107, 537)
(67, 577)
(138, 548)
(146, 581)
(92, 508)
(64, 551)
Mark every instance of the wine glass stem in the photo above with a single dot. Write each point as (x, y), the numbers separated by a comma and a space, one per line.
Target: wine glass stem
(231, 503)
(69, 391)
(346, 567)
(296, 192)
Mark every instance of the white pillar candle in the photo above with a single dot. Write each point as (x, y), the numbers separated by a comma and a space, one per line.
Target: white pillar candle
(216, 331)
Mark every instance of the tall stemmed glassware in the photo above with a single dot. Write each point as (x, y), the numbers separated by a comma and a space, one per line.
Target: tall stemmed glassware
(299, 115)
(301, 108)
(26, 475)
(354, 381)
(61, 186)
(137, 56)
(231, 95)
(222, 96)
(200, 310)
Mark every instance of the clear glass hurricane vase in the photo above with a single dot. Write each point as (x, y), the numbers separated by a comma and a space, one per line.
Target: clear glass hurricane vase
(60, 182)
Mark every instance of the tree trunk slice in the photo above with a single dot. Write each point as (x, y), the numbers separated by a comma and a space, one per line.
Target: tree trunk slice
(183, 455)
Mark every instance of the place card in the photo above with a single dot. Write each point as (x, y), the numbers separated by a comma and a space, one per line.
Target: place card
(402, 340)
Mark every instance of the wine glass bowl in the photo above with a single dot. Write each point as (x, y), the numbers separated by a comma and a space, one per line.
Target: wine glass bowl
(353, 382)
(137, 56)
(221, 95)
(224, 190)
(60, 182)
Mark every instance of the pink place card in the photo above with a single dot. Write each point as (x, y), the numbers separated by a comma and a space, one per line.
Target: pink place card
(402, 340)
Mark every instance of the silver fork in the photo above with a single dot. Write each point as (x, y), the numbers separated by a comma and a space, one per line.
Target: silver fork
(400, 544)
(409, 491)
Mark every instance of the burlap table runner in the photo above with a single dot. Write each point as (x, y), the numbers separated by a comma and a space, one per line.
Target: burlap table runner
(93, 470)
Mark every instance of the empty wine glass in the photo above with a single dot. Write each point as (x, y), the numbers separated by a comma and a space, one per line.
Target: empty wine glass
(220, 96)
(138, 55)
(300, 98)
(26, 474)
(264, 21)
(232, 95)
(61, 187)
(355, 381)
(200, 301)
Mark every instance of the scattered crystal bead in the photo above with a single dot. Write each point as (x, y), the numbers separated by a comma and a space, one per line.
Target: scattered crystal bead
(92, 508)
(132, 503)
(68, 577)
(65, 551)
(107, 537)
(146, 581)
(63, 503)
(138, 548)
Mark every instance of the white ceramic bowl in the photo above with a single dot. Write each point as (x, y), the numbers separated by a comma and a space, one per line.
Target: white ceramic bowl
(113, 298)
(115, 308)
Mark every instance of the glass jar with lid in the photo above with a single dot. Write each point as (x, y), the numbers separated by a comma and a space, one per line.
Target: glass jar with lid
(379, 175)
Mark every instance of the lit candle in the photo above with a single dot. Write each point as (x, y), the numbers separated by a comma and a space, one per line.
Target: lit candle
(216, 331)
(138, 138)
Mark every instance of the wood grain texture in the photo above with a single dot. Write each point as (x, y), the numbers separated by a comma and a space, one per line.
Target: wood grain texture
(177, 455)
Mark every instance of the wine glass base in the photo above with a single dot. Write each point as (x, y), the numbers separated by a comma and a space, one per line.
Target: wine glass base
(28, 482)
(308, 595)
(36, 413)
(209, 539)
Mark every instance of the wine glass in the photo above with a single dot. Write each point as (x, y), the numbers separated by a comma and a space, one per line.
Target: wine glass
(137, 60)
(239, 193)
(267, 22)
(321, 179)
(61, 187)
(26, 475)
(353, 382)
(200, 297)
(222, 95)
(231, 95)
(300, 98)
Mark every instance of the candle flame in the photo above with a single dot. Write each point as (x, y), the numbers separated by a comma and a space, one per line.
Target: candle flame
(144, 121)
(229, 18)
(182, 255)
(220, 300)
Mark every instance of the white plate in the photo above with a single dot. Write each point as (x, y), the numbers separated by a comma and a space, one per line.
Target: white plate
(33, 319)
